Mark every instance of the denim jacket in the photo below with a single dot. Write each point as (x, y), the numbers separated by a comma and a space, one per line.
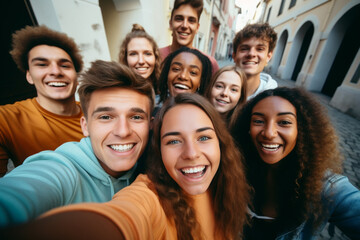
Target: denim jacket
(342, 208)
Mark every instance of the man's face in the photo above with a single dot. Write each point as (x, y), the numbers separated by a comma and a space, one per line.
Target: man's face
(184, 25)
(52, 72)
(117, 122)
(252, 56)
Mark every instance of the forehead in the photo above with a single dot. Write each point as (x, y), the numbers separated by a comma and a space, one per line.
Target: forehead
(139, 42)
(186, 10)
(274, 105)
(47, 51)
(229, 77)
(118, 99)
(253, 41)
(187, 58)
(185, 117)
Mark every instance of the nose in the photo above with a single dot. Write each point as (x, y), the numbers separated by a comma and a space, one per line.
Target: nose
(122, 128)
(190, 150)
(225, 92)
(141, 59)
(55, 69)
(270, 131)
(185, 23)
(252, 52)
(184, 75)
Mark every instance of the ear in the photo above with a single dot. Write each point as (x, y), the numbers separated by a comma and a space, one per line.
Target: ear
(152, 123)
(269, 56)
(233, 56)
(29, 78)
(197, 29)
(84, 126)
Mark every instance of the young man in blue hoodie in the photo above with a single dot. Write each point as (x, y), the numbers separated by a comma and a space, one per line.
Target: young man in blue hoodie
(253, 47)
(117, 105)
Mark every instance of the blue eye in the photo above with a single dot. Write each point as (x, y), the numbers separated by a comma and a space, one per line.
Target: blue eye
(172, 142)
(204, 138)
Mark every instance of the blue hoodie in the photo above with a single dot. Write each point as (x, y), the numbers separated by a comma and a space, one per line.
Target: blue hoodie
(49, 179)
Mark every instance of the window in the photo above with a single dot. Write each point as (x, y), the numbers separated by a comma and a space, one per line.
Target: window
(281, 7)
(268, 16)
(292, 3)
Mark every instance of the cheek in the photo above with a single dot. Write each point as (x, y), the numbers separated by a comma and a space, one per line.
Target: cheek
(131, 61)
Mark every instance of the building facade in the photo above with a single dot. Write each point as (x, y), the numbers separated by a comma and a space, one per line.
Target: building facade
(99, 27)
(318, 47)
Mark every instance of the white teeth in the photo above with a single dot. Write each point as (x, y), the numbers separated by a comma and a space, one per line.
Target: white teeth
(221, 101)
(250, 63)
(193, 170)
(184, 34)
(177, 85)
(271, 147)
(57, 84)
(122, 148)
(141, 69)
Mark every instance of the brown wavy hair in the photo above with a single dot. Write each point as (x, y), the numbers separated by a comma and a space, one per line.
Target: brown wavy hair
(233, 114)
(103, 74)
(258, 30)
(304, 170)
(29, 37)
(138, 31)
(229, 190)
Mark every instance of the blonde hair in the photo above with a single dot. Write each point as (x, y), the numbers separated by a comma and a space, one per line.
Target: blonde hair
(233, 114)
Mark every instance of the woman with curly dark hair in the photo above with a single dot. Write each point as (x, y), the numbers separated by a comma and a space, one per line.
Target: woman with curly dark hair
(195, 187)
(293, 165)
(184, 70)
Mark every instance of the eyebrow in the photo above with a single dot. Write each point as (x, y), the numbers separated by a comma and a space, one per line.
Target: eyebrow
(109, 109)
(178, 133)
(279, 114)
(179, 63)
(45, 59)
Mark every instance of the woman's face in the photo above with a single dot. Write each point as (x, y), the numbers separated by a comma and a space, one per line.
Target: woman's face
(189, 148)
(226, 92)
(273, 128)
(141, 57)
(184, 74)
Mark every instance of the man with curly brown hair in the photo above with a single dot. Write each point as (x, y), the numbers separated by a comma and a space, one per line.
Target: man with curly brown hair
(253, 47)
(51, 61)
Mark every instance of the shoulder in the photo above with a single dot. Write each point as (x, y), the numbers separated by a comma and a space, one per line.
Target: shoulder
(269, 82)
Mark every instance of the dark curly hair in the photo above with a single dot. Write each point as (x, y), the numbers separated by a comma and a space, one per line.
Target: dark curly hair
(166, 64)
(303, 171)
(29, 37)
(233, 114)
(139, 32)
(258, 30)
(229, 190)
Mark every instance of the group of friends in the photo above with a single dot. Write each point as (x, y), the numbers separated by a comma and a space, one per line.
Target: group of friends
(165, 145)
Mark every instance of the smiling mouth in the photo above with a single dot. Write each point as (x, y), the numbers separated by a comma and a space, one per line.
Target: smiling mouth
(250, 63)
(122, 147)
(181, 86)
(57, 84)
(184, 34)
(194, 172)
(270, 147)
(142, 68)
(221, 101)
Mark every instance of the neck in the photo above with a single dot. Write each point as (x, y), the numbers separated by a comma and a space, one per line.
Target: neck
(66, 107)
(253, 83)
(175, 46)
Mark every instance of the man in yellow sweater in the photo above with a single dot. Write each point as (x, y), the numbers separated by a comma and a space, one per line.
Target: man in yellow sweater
(51, 61)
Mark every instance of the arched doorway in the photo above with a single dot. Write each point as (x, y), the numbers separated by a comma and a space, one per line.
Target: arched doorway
(306, 33)
(279, 52)
(349, 46)
(13, 85)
